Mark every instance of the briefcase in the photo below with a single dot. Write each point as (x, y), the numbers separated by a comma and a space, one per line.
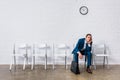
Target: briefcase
(75, 67)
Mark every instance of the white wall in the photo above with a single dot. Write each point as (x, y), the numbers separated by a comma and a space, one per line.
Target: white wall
(58, 21)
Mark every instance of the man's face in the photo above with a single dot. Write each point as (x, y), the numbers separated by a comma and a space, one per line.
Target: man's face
(88, 38)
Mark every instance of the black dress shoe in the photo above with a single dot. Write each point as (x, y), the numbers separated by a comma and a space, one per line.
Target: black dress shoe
(89, 70)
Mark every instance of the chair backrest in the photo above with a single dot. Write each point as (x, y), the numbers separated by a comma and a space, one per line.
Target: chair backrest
(19, 48)
(99, 49)
(40, 48)
(62, 46)
(60, 49)
(22, 48)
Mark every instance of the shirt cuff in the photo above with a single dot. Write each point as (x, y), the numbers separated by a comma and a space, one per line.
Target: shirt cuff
(78, 52)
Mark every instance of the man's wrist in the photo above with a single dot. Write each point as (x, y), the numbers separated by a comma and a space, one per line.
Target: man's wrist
(79, 53)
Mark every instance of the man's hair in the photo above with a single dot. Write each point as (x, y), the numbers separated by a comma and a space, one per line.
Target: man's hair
(89, 35)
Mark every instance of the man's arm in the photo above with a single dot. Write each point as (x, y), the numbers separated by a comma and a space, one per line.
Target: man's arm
(77, 49)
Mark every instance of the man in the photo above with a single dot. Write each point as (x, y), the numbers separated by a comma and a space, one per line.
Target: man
(83, 47)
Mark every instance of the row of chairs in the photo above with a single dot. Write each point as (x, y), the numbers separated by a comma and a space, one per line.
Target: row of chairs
(30, 53)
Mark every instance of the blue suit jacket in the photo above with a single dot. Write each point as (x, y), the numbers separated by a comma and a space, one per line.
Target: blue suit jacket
(79, 46)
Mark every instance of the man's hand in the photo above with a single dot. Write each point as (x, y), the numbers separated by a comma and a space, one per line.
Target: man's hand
(80, 55)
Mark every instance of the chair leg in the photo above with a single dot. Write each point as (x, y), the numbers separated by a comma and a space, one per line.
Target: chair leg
(27, 59)
(24, 63)
(107, 62)
(14, 63)
(65, 62)
(94, 63)
(45, 62)
(11, 63)
(53, 57)
(32, 63)
(10, 66)
(53, 64)
(104, 62)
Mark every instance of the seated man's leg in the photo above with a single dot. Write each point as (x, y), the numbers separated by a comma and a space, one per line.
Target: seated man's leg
(75, 57)
(89, 56)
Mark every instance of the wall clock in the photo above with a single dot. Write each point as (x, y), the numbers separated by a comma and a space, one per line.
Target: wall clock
(83, 10)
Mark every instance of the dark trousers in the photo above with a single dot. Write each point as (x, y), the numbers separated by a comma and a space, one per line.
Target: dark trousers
(88, 55)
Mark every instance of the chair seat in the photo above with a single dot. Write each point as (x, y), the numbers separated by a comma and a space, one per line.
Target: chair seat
(101, 55)
(24, 47)
(62, 46)
(17, 55)
(38, 55)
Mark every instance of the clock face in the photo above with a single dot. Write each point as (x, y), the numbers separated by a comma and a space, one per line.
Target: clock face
(83, 10)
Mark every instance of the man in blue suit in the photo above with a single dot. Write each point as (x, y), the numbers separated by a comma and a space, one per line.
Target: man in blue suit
(83, 47)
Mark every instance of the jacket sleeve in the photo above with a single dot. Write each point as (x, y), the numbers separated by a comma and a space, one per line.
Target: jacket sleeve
(77, 47)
